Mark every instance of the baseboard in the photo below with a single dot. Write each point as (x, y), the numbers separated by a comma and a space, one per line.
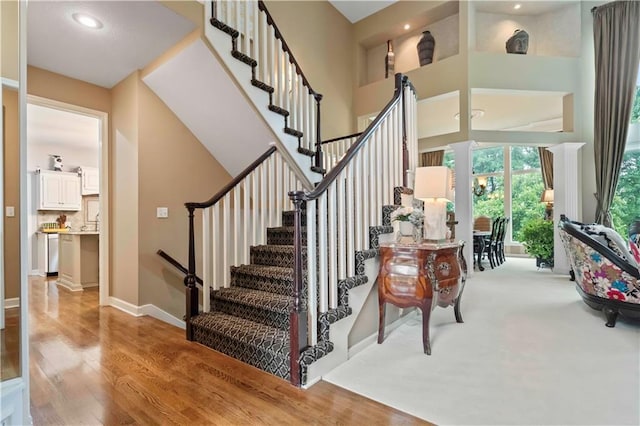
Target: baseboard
(12, 302)
(157, 313)
(368, 341)
(148, 309)
(35, 272)
(127, 307)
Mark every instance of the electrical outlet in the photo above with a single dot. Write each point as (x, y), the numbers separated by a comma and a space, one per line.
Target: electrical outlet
(162, 212)
(10, 211)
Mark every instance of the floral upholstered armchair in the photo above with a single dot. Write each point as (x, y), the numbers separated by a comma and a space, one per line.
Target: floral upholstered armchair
(604, 268)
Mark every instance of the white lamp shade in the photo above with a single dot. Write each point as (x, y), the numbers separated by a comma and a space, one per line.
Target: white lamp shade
(433, 182)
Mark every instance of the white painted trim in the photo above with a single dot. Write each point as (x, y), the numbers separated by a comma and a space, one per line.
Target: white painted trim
(127, 307)
(10, 83)
(144, 310)
(35, 272)
(13, 302)
(368, 341)
(71, 286)
(11, 401)
(103, 140)
(157, 313)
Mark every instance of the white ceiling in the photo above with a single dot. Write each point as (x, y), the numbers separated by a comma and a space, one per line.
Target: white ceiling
(355, 10)
(134, 33)
(62, 129)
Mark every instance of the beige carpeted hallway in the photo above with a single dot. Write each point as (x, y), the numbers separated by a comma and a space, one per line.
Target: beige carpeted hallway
(530, 352)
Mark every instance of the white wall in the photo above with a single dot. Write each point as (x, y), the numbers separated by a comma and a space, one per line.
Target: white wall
(72, 157)
(551, 34)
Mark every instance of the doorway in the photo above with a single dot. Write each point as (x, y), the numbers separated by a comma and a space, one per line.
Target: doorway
(79, 137)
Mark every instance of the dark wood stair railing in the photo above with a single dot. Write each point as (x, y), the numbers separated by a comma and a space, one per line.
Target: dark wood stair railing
(176, 264)
(285, 47)
(190, 280)
(401, 81)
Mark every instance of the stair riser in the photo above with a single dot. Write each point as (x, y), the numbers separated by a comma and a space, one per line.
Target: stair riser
(287, 218)
(264, 316)
(262, 256)
(266, 359)
(279, 286)
(282, 237)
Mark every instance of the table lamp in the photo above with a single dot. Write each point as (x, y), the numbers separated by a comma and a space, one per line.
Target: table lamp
(433, 185)
(547, 197)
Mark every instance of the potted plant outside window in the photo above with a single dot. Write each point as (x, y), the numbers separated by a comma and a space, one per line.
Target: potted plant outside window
(537, 238)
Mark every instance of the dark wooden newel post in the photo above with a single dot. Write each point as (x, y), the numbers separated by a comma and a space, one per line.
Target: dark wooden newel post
(191, 291)
(297, 321)
(318, 157)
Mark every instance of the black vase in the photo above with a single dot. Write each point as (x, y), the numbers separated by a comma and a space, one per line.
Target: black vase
(518, 42)
(389, 60)
(426, 45)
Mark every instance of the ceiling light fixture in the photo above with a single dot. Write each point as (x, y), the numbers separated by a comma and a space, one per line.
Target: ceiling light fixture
(407, 26)
(87, 21)
(517, 6)
(474, 113)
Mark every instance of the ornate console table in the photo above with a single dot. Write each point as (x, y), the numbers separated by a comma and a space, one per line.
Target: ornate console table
(421, 275)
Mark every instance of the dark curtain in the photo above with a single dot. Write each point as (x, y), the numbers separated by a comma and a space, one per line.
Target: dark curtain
(433, 158)
(546, 166)
(616, 34)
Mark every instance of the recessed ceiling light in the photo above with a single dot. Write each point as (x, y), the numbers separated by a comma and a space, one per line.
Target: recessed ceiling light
(407, 26)
(517, 6)
(87, 21)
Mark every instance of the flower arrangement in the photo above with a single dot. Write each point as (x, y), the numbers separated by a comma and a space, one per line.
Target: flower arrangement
(408, 214)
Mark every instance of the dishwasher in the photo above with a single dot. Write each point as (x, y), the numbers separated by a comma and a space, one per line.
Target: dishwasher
(52, 254)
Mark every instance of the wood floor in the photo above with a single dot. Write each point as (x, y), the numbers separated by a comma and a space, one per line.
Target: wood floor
(10, 345)
(93, 365)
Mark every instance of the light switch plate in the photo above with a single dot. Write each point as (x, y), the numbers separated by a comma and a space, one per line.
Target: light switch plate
(162, 212)
(10, 211)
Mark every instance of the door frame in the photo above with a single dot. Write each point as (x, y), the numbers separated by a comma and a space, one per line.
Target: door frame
(103, 153)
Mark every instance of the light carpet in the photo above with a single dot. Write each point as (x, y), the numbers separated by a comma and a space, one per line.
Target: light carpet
(529, 352)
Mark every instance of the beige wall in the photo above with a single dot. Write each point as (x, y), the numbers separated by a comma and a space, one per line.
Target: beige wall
(54, 86)
(173, 168)
(9, 37)
(11, 193)
(124, 190)
(321, 41)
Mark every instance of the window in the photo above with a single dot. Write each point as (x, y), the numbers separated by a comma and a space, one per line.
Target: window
(515, 195)
(625, 207)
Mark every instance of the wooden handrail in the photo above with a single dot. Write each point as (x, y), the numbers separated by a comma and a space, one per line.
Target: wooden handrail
(341, 137)
(401, 80)
(177, 264)
(286, 48)
(228, 187)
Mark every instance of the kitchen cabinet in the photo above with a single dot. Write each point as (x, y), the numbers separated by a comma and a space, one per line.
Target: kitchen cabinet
(58, 191)
(78, 266)
(90, 177)
(48, 253)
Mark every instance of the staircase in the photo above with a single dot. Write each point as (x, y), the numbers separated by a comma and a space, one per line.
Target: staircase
(269, 298)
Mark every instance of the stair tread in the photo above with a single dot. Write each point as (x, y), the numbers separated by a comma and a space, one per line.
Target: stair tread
(242, 329)
(265, 270)
(255, 298)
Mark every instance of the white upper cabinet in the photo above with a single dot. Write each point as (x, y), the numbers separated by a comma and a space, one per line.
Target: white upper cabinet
(90, 180)
(58, 191)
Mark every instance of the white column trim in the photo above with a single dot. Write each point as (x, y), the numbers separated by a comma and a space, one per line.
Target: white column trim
(463, 202)
(567, 197)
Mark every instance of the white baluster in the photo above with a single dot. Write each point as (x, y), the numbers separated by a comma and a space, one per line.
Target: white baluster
(311, 276)
(350, 196)
(322, 254)
(342, 212)
(207, 258)
(255, 207)
(246, 228)
(216, 236)
(357, 181)
(264, 201)
(263, 65)
(226, 238)
(332, 245)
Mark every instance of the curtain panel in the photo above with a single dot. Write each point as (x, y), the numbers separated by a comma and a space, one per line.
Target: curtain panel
(616, 33)
(433, 158)
(546, 166)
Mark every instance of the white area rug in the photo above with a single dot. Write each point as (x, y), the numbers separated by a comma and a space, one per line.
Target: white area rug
(529, 352)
